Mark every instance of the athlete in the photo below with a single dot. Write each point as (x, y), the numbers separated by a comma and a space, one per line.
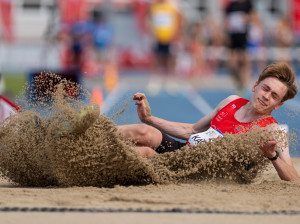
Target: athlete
(275, 85)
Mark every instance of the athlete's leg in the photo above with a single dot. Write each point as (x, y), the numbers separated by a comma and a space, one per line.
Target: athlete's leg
(145, 151)
(141, 134)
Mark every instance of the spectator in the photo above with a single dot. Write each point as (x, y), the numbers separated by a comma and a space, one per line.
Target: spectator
(197, 49)
(255, 44)
(165, 22)
(284, 39)
(215, 41)
(102, 38)
(236, 24)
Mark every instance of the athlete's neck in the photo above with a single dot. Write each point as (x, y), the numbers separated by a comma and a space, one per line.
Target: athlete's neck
(247, 113)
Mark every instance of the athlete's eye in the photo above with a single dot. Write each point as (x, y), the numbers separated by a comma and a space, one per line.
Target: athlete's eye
(275, 97)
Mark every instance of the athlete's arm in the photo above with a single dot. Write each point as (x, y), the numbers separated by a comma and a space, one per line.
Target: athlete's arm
(283, 164)
(176, 129)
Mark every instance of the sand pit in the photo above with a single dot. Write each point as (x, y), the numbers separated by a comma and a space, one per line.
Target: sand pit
(266, 193)
(45, 165)
(267, 198)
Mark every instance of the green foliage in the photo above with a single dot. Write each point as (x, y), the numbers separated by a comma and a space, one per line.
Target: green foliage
(14, 83)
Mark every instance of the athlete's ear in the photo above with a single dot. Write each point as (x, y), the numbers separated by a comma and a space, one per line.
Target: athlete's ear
(278, 105)
(254, 86)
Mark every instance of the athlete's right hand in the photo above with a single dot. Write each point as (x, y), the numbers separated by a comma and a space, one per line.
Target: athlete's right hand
(143, 108)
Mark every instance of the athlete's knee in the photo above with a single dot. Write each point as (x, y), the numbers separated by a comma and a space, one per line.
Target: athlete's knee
(143, 131)
(141, 134)
(146, 151)
(133, 131)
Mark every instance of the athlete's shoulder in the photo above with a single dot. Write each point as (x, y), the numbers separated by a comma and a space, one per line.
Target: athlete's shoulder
(226, 101)
(232, 98)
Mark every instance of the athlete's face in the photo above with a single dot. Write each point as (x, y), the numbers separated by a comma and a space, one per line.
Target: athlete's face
(268, 95)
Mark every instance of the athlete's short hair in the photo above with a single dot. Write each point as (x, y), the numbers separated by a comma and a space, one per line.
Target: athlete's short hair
(284, 73)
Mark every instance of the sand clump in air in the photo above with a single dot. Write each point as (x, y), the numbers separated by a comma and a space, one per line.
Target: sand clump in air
(38, 149)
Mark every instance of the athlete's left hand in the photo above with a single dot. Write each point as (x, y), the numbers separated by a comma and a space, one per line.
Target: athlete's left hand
(143, 108)
(269, 147)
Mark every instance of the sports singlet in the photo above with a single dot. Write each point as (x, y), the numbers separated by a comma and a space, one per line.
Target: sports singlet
(164, 21)
(225, 122)
(7, 108)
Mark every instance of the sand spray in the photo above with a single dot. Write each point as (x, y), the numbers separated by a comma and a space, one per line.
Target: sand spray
(38, 149)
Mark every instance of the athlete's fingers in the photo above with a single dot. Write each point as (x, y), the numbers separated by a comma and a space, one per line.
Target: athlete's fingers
(144, 103)
(139, 96)
(138, 103)
(268, 147)
(142, 98)
(272, 142)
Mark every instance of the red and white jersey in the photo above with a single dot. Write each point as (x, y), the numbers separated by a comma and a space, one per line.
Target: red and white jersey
(7, 107)
(225, 121)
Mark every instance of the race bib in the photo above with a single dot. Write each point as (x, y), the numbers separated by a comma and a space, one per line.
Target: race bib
(204, 136)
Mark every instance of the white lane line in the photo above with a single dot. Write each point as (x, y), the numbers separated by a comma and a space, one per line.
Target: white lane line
(196, 100)
(112, 98)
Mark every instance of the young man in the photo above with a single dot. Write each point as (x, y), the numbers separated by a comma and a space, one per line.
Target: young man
(233, 115)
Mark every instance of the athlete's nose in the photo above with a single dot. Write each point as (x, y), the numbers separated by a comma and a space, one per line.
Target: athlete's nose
(267, 96)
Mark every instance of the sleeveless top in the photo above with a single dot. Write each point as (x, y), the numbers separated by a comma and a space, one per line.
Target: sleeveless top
(7, 107)
(225, 122)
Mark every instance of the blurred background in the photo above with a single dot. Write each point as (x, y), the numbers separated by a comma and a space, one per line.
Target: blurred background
(86, 35)
(187, 55)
